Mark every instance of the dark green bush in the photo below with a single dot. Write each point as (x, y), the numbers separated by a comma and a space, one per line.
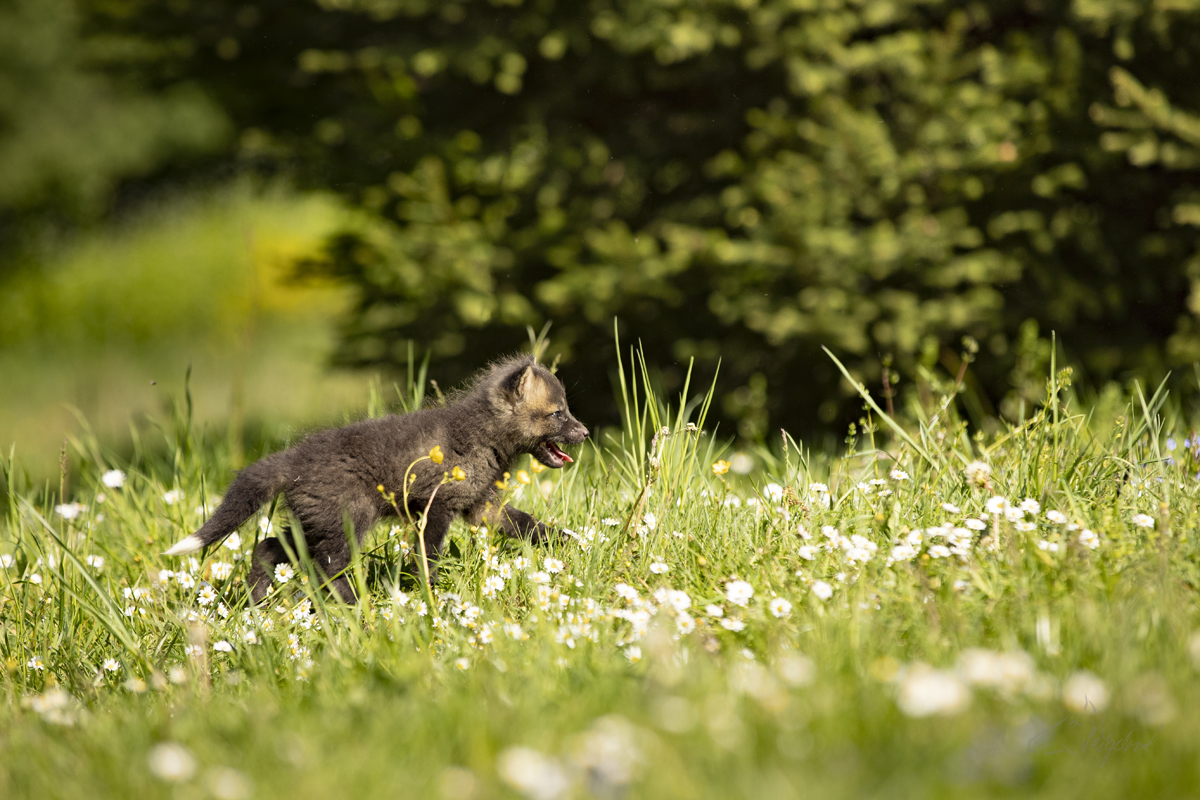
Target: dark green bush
(735, 179)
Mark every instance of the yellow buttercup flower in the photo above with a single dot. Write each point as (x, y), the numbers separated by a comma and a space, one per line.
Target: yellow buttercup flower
(523, 476)
(721, 467)
(536, 466)
(435, 455)
(458, 474)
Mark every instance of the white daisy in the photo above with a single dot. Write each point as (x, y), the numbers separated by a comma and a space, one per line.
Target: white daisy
(739, 592)
(69, 510)
(978, 473)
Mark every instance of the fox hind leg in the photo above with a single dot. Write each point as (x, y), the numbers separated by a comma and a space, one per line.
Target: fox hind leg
(331, 556)
(331, 560)
(268, 554)
(437, 525)
(329, 544)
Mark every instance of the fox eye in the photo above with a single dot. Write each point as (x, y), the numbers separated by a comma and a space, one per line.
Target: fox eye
(556, 415)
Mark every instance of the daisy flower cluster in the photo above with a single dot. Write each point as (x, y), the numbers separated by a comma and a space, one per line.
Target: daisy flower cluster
(293, 626)
(451, 612)
(547, 592)
(605, 760)
(941, 542)
(772, 498)
(54, 706)
(1010, 676)
(830, 557)
(844, 556)
(951, 539)
(1027, 516)
(635, 612)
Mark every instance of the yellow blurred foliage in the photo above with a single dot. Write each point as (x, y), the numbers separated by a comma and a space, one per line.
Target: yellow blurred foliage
(109, 324)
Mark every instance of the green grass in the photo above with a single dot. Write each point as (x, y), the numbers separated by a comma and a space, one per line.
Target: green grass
(598, 695)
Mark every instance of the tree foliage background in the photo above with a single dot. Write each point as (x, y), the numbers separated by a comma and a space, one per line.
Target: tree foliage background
(71, 132)
(731, 179)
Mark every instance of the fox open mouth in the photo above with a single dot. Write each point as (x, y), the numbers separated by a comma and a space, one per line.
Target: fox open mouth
(550, 454)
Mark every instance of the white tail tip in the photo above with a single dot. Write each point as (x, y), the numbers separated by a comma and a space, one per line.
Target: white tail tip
(184, 546)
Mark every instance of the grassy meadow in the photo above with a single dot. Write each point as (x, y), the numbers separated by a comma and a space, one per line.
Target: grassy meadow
(928, 614)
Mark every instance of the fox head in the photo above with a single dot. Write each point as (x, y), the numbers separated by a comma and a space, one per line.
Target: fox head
(537, 403)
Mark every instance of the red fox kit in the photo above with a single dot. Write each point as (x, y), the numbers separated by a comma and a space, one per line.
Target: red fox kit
(514, 407)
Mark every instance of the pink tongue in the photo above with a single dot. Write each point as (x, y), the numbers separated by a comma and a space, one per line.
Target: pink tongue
(553, 448)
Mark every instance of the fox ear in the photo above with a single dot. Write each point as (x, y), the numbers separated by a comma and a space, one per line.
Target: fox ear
(520, 383)
(525, 386)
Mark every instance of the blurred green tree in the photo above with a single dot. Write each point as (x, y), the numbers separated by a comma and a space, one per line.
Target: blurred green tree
(69, 132)
(744, 179)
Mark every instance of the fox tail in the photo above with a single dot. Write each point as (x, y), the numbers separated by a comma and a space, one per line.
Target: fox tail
(253, 486)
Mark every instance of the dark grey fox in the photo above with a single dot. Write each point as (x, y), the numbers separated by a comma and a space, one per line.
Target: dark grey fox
(516, 406)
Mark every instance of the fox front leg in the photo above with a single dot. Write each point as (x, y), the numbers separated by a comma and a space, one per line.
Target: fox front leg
(519, 525)
(437, 525)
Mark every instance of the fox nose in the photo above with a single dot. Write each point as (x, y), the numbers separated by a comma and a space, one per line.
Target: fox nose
(583, 433)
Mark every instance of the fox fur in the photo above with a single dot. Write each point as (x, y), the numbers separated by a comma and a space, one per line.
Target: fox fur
(331, 479)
